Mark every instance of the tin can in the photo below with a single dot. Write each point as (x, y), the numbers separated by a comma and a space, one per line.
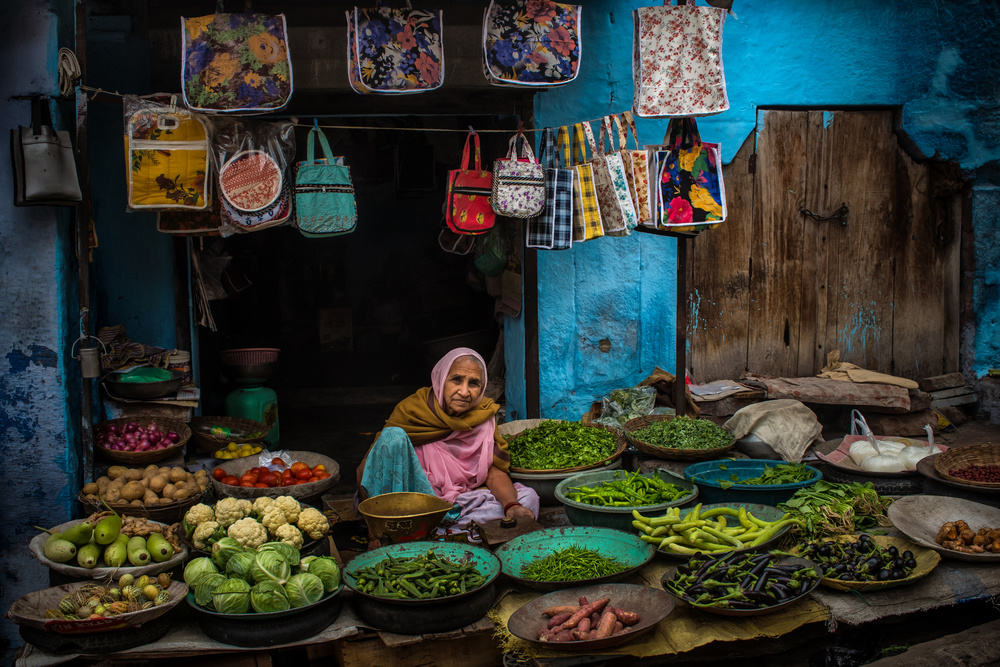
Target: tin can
(181, 361)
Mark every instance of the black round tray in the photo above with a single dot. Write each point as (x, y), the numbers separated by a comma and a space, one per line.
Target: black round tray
(250, 633)
(411, 617)
(97, 642)
(885, 486)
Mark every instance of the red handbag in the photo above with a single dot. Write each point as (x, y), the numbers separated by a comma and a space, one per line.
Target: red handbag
(469, 209)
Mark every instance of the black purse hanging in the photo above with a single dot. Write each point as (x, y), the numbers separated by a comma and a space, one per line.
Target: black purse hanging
(44, 164)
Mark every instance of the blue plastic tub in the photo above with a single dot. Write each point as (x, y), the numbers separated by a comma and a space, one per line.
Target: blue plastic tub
(708, 475)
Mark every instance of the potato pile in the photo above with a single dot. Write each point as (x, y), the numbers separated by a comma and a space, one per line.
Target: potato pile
(152, 485)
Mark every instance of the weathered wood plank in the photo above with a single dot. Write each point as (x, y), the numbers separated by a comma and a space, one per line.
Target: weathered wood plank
(815, 197)
(776, 251)
(939, 382)
(719, 280)
(859, 148)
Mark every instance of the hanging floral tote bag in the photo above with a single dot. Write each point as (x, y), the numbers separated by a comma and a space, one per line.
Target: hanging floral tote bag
(613, 197)
(169, 157)
(636, 162)
(531, 43)
(553, 229)
(236, 63)
(518, 181)
(691, 189)
(394, 51)
(677, 61)
(468, 209)
(586, 211)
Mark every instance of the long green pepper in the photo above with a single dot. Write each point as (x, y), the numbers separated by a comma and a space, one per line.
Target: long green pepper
(634, 490)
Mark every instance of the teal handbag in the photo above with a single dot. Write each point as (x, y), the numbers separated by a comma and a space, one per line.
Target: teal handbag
(324, 193)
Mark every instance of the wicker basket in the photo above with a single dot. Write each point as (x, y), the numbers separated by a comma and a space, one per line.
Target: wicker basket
(249, 356)
(145, 458)
(639, 423)
(510, 430)
(209, 443)
(237, 467)
(964, 457)
(168, 513)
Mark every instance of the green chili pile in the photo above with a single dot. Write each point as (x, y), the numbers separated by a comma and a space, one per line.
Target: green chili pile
(634, 490)
(783, 473)
(553, 445)
(684, 433)
(573, 563)
(422, 577)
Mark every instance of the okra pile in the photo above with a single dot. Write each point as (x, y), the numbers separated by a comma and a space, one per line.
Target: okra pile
(628, 490)
(422, 577)
(745, 581)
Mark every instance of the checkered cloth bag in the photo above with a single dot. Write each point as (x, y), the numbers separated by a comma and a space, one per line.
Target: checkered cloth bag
(586, 212)
(553, 229)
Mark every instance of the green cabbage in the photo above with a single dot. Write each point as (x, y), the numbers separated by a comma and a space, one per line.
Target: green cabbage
(288, 552)
(325, 568)
(239, 565)
(223, 550)
(197, 568)
(268, 596)
(303, 589)
(204, 588)
(269, 565)
(232, 596)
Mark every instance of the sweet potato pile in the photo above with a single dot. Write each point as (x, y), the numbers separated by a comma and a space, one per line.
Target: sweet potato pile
(958, 536)
(587, 620)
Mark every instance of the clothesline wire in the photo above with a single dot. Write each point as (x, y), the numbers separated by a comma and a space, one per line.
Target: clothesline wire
(295, 121)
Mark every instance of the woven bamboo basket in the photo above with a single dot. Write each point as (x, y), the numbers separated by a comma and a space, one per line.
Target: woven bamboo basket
(965, 457)
(145, 458)
(168, 513)
(209, 443)
(637, 424)
(511, 430)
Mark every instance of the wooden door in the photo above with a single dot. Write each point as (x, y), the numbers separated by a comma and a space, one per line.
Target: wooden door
(835, 240)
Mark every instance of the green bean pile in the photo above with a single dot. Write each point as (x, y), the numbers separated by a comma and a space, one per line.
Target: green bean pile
(422, 577)
(684, 433)
(573, 563)
(553, 445)
(634, 490)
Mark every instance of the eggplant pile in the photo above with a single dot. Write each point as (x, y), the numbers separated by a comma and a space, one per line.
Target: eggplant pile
(740, 581)
(860, 560)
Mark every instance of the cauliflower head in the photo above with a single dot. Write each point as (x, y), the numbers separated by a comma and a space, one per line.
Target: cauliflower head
(313, 523)
(262, 504)
(201, 535)
(248, 532)
(228, 511)
(199, 514)
(289, 534)
(245, 506)
(273, 518)
(290, 506)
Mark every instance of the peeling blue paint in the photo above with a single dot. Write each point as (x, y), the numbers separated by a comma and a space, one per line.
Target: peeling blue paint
(40, 355)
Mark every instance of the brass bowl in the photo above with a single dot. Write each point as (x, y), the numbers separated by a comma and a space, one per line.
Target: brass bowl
(403, 517)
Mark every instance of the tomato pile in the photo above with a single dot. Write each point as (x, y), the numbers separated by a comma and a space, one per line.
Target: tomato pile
(277, 473)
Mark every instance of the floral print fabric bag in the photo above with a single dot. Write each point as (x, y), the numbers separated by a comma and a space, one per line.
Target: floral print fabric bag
(677, 61)
(691, 193)
(518, 182)
(236, 62)
(531, 43)
(394, 51)
(617, 210)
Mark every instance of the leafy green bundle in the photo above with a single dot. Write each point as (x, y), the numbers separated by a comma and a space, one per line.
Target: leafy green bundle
(782, 473)
(684, 433)
(826, 508)
(553, 445)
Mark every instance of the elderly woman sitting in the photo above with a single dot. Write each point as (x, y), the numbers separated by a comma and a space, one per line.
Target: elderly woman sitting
(442, 440)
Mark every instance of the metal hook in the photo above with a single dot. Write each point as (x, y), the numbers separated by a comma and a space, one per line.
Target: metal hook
(839, 214)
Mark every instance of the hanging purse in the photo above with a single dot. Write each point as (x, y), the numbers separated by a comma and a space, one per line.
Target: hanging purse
(531, 43)
(235, 62)
(467, 207)
(691, 189)
(518, 181)
(636, 162)
(43, 162)
(677, 61)
(394, 51)
(586, 211)
(324, 192)
(553, 229)
(617, 211)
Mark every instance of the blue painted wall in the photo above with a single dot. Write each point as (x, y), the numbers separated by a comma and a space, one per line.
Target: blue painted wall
(938, 62)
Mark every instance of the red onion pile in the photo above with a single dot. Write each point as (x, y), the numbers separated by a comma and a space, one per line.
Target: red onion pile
(130, 437)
